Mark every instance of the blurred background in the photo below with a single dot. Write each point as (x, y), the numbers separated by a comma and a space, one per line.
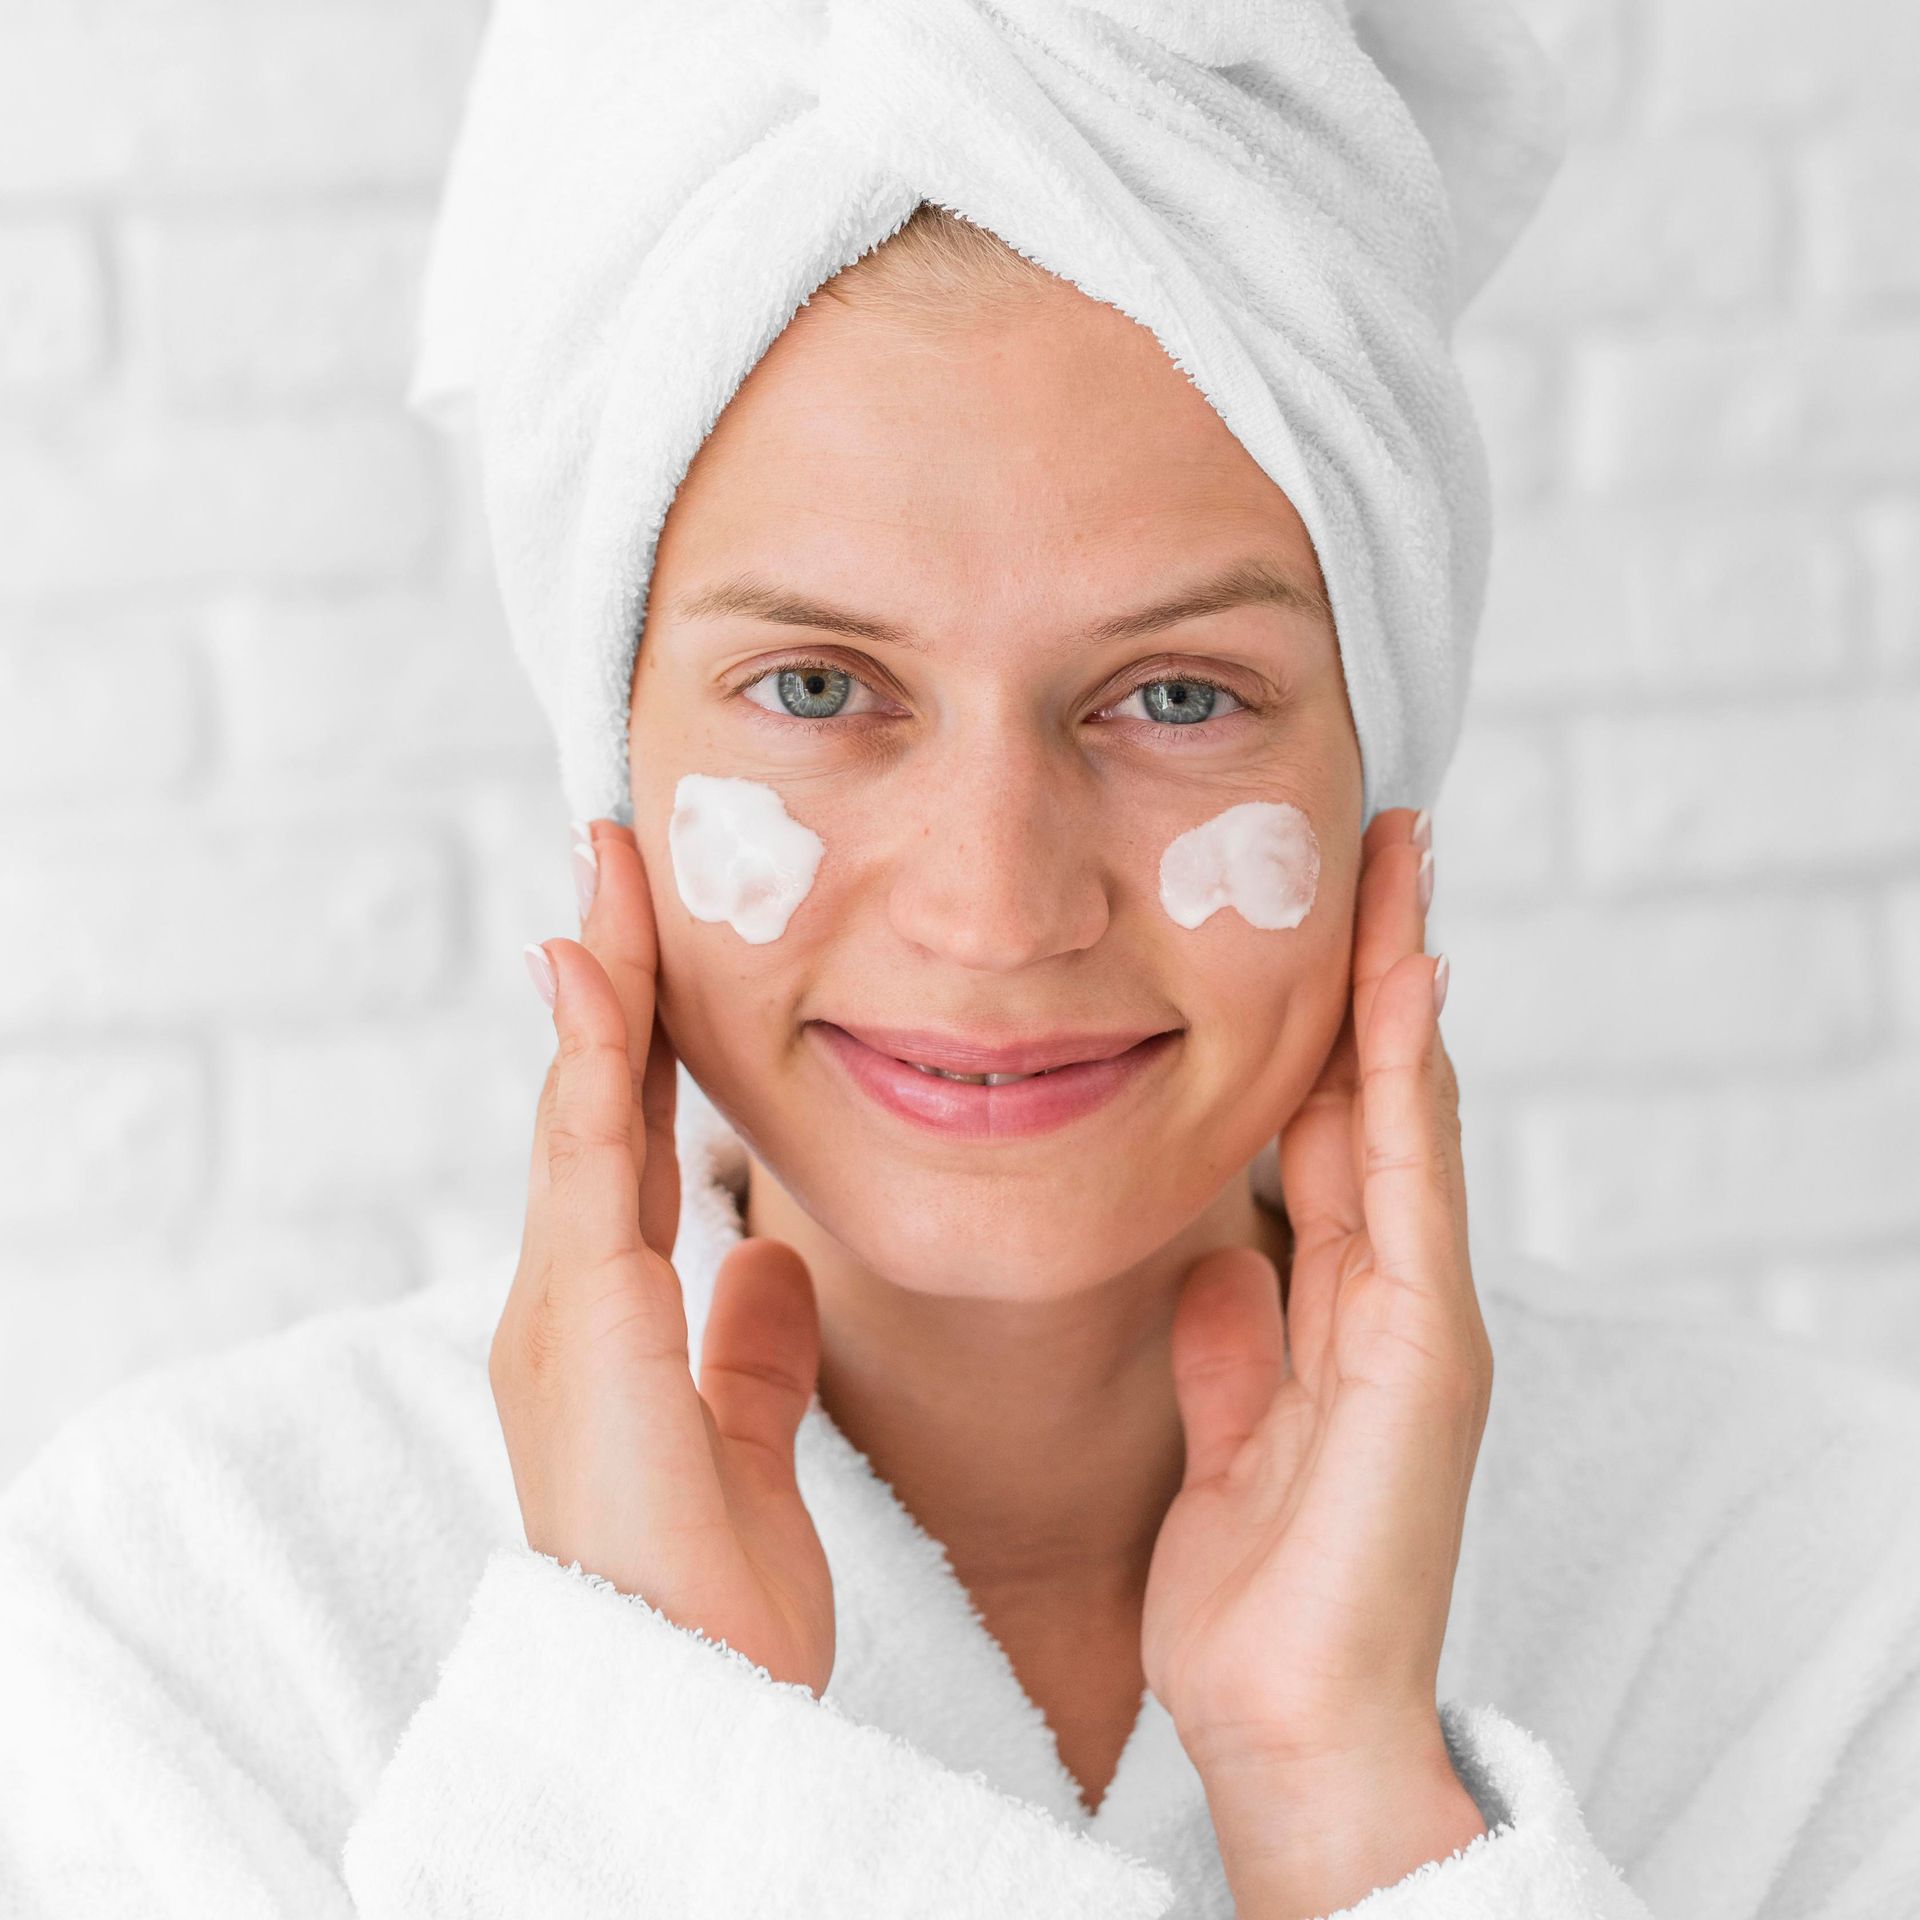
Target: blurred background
(267, 1043)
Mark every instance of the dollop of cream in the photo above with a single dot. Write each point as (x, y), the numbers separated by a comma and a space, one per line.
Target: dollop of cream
(1260, 857)
(739, 856)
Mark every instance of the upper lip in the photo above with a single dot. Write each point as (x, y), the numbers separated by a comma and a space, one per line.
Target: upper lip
(973, 1053)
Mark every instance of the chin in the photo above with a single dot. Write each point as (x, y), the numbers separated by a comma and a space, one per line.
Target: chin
(946, 1234)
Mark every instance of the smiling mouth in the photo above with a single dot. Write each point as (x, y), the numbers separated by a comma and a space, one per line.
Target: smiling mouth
(897, 1083)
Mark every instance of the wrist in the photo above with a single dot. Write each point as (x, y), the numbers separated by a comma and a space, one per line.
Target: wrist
(1302, 1839)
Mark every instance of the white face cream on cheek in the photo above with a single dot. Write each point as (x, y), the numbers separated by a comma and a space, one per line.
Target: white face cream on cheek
(1260, 857)
(739, 856)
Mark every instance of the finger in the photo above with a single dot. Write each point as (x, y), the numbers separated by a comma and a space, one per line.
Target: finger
(1229, 1355)
(1319, 1146)
(593, 1223)
(1320, 1186)
(760, 1352)
(1319, 1175)
(620, 933)
(1446, 1093)
(1390, 919)
(1413, 1188)
(526, 1294)
(534, 1246)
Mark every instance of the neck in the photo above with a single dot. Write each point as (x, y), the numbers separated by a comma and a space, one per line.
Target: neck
(1039, 1441)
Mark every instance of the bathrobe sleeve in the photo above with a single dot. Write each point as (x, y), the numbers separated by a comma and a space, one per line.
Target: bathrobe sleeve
(1536, 1861)
(580, 1755)
(584, 1754)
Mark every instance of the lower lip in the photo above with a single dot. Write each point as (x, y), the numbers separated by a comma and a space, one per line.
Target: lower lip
(959, 1109)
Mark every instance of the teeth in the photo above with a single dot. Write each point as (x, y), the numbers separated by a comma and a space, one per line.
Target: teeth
(980, 1079)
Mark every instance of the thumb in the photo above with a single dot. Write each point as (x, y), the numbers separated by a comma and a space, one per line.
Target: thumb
(760, 1352)
(1229, 1355)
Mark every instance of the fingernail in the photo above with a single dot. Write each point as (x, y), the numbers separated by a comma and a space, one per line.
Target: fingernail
(586, 875)
(1441, 973)
(1423, 828)
(1426, 880)
(582, 830)
(542, 970)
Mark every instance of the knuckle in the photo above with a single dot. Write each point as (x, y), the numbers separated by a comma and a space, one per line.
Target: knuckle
(572, 1147)
(575, 1045)
(1384, 1071)
(563, 1155)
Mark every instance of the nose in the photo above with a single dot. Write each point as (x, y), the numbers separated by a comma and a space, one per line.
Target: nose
(997, 862)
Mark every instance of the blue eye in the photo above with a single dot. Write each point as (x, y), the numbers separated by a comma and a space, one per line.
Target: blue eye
(805, 690)
(1179, 702)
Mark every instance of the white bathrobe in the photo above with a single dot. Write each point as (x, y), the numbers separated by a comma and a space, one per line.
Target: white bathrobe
(271, 1642)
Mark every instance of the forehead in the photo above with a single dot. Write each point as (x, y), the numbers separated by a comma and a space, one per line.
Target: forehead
(1051, 452)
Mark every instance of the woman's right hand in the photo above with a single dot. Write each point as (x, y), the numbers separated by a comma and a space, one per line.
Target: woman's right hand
(683, 1495)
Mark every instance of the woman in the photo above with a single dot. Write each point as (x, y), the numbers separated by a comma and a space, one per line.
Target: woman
(993, 792)
(925, 1497)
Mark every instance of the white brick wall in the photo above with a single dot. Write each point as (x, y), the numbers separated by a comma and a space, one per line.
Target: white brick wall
(1688, 1017)
(266, 1043)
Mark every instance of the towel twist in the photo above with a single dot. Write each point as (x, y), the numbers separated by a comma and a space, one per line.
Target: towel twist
(1295, 197)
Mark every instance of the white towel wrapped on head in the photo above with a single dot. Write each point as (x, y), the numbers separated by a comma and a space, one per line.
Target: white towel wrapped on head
(1296, 197)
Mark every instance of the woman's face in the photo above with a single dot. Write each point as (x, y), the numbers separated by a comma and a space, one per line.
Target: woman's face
(995, 781)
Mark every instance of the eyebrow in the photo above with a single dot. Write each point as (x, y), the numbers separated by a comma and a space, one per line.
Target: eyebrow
(1249, 582)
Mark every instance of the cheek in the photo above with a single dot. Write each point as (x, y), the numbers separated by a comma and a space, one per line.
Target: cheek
(1260, 858)
(740, 865)
(738, 856)
(1270, 919)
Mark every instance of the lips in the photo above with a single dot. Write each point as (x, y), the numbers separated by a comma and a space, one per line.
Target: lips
(1039, 1102)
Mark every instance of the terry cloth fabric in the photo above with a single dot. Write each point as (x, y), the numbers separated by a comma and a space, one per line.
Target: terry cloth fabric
(271, 1642)
(1296, 197)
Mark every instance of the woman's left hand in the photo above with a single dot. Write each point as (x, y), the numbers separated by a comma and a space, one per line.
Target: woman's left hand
(1300, 1586)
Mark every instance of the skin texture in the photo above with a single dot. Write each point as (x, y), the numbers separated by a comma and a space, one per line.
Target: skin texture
(1159, 1440)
